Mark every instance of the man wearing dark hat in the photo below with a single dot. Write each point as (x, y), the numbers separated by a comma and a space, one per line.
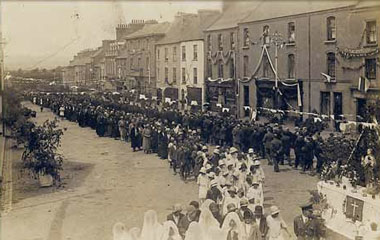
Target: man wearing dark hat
(304, 225)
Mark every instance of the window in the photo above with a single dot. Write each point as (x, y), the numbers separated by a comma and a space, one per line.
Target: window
(266, 34)
(291, 32)
(265, 66)
(195, 52)
(291, 66)
(183, 53)
(331, 64)
(245, 37)
(174, 54)
(370, 68)
(232, 41)
(325, 103)
(209, 68)
(183, 75)
(245, 66)
(232, 69)
(195, 75)
(220, 69)
(208, 42)
(331, 29)
(166, 74)
(166, 55)
(246, 95)
(371, 32)
(131, 63)
(138, 62)
(158, 54)
(174, 75)
(147, 64)
(220, 42)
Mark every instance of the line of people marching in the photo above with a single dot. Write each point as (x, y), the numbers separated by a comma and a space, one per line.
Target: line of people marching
(230, 181)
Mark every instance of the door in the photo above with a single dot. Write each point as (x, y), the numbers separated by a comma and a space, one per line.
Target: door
(325, 103)
(338, 105)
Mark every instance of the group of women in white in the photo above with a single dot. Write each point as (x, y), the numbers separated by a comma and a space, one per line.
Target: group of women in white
(235, 186)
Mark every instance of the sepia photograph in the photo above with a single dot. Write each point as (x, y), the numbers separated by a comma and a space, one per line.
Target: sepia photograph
(189, 120)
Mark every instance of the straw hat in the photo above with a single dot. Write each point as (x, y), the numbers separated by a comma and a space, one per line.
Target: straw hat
(274, 210)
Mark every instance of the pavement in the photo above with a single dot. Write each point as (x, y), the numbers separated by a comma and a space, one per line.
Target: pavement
(120, 185)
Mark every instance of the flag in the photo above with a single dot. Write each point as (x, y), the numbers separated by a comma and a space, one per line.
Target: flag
(299, 97)
(363, 84)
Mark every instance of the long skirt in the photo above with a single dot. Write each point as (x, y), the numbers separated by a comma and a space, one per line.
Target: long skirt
(146, 143)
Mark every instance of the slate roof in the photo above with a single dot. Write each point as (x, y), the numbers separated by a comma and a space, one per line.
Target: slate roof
(234, 13)
(150, 30)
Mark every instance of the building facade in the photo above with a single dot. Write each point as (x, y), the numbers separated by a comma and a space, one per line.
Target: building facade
(310, 60)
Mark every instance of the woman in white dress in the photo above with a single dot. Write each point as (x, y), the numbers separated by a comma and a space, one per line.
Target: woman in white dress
(203, 183)
(276, 225)
(209, 225)
(170, 231)
(151, 230)
(120, 232)
(233, 227)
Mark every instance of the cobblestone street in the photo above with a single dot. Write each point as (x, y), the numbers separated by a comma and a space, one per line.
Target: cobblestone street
(117, 184)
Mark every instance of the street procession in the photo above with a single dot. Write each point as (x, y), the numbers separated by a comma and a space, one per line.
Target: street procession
(222, 120)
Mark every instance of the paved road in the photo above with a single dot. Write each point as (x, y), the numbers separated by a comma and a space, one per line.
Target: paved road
(120, 186)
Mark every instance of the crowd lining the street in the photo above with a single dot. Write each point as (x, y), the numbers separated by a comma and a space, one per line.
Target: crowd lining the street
(230, 179)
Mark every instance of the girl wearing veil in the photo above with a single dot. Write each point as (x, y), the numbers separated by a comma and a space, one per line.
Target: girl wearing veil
(208, 223)
(194, 232)
(120, 232)
(135, 233)
(170, 231)
(151, 229)
(233, 227)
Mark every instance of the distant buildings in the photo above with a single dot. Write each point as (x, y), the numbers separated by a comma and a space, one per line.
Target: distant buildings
(305, 56)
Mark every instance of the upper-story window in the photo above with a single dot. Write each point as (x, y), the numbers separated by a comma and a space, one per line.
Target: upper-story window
(174, 75)
(245, 66)
(209, 42)
(209, 68)
(158, 54)
(195, 75)
(291, 66)
(266, 34)
(183, 75)
(147, 64)
(232, 41)
(195, 52)
(331, 64)
(220, 42)
(183, 53)
(166, 74)
(246, 37)
(331, 29)
(166, 55)
(174, 54)
(220, 69)
(371, 32)
(370, 68)
(291, 32)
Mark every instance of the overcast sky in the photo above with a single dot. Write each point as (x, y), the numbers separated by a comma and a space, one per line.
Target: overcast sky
(46, 34)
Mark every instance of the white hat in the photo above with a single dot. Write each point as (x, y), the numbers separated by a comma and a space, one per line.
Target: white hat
(274, 210)
(256, 163)
(204, 148)
(221, 162)
(213, 183)
(233, 150)
(203, 170)
(216, 151)
(250, 150)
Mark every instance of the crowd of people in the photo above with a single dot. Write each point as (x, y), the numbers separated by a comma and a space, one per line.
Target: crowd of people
(222, 153)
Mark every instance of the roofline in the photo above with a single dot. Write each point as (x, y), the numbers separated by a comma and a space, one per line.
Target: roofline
(299, 14)
(221, 29)
(178, 42)
(144, 36)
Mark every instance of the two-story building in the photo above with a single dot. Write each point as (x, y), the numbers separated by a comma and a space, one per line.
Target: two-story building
(309, 58)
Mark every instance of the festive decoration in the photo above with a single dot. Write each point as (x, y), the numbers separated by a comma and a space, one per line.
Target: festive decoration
(348, 53)
(219, 55)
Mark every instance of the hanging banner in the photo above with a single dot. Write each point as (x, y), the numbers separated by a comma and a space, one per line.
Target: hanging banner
(356, 53)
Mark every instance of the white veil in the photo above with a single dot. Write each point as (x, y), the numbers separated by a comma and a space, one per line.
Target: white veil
(151, 229)
(170, 225)
(194, 232)
(239, 225)
(208, 224)
(135, 233)
(120, 232)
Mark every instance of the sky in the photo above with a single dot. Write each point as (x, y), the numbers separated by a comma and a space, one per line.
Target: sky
(47, 34)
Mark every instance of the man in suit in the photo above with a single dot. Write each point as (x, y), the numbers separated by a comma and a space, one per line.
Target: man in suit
(176, 216)
(303, 224)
